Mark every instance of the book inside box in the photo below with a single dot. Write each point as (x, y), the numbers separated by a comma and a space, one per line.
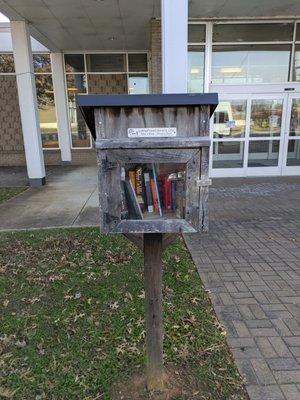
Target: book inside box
(153, 191)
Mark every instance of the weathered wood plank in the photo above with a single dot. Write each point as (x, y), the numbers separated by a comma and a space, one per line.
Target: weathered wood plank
(154, 226)
(153, 143)
(117, 121)
(136, 238)
(192, 191)
(152, 155)
(154, 310)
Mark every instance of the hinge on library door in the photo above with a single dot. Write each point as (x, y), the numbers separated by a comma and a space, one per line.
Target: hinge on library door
(108, 218)
(108, 165)
(203, 182)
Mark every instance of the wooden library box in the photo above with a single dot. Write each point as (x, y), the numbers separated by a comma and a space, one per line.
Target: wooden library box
(153, 160)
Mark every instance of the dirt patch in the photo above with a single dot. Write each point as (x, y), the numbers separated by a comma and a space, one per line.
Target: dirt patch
(179, 384)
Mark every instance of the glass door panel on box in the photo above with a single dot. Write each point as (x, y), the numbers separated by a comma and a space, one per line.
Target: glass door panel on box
(153, 191)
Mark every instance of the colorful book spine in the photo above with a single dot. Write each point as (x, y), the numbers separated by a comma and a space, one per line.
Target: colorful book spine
(148, 192)
(132, 177)
(167, 193)
(157, 190)
(154, 195)
(139, 187)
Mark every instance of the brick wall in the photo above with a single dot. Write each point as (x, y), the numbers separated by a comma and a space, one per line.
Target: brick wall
(155, 65)
(11, 138)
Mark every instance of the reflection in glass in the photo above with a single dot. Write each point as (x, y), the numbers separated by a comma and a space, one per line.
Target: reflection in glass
(41, 63)
(296, 74)
(196, 33)
(228, 154)
(195, 69)
(138, 84)
(263, 32)
(230, 119)
(153, 191)
(137, 62)
(295, 118)
(46, 108)
(293, 155)
(76, 84)
(263, 153)
(105, 62)
(298, 33)
(7, 63)
(250, 64)
(266, 118)
(74, 62)
(107, 83)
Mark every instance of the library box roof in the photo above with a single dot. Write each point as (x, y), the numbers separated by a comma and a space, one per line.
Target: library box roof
(88, 103)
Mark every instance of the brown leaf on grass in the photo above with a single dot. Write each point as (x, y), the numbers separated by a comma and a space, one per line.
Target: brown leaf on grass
(7, 393)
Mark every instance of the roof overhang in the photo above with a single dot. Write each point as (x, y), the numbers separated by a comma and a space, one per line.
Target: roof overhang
(76, 25)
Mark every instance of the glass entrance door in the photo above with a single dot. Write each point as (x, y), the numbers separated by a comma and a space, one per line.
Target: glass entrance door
(291, 164)
(248, 133)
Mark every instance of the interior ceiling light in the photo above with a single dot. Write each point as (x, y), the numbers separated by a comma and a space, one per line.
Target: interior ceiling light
(195, 70)
(231, 70)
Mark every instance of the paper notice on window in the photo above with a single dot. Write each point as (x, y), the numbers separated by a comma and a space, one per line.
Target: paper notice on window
(151, 132)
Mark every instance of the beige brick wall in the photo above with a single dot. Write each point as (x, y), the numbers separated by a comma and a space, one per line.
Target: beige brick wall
(155, 64)
(11, 138)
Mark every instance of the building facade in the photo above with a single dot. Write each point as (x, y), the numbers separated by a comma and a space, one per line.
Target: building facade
(252, 62)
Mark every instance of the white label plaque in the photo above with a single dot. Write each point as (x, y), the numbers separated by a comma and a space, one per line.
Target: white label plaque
(151, 132)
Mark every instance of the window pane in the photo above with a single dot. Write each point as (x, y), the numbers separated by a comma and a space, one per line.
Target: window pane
(293, 155)
(107, 83)
(295, 118)
(105, 62)
(298, 33)
(74, 62)
(196, 33)
(228, 154)
(253, 32)
(296, 74)
(46, 107)
(7, 63)
(263, 153)
(230, 119)
(41, 63)
(195, 69)
(138, 62)
(76, 84)
(266, 118)
(250, 64)
(138, 84)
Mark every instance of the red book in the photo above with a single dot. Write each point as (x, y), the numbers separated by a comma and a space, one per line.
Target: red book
(154, 195)
(167, 193)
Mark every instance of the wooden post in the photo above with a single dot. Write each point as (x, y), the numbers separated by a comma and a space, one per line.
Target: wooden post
(153, 310)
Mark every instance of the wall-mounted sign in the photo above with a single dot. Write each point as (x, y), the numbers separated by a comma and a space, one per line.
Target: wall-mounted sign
(151, 132)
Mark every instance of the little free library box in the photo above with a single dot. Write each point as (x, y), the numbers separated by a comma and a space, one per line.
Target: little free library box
(153, 160)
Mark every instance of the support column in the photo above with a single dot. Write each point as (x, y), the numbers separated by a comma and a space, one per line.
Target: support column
(28, 103)
(61, 107)
(174, 29)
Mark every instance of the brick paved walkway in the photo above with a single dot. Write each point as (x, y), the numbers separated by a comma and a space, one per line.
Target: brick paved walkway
(250, 264)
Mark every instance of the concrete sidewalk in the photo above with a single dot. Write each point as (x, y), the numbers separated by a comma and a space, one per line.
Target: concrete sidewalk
(70, 198)
(250, 264)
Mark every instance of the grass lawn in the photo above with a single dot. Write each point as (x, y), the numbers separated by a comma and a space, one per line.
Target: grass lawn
(72, 323)
(8, 192)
